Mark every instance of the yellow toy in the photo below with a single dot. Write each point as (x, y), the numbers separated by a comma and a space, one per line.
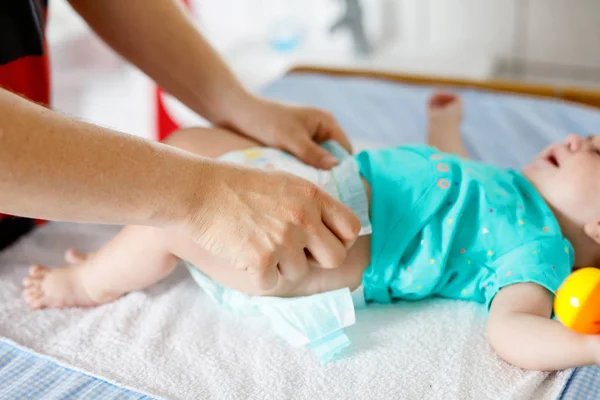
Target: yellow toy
(577, 301)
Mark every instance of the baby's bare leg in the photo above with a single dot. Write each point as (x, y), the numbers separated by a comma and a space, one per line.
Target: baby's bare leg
(444, 111)
(134, 259)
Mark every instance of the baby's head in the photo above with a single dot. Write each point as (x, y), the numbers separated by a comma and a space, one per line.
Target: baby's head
(567, 175)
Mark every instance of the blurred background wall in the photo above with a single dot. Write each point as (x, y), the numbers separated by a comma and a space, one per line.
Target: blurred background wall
(532, 40)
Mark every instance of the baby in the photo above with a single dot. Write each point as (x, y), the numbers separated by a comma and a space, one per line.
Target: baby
(443, 225)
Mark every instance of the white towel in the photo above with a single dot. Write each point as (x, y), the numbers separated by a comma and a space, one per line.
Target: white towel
(171, 341)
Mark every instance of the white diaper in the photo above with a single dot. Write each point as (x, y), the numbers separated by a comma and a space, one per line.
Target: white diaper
(319, 320)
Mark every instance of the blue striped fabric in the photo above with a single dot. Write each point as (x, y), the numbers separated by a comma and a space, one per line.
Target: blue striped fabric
(24, 375)
(584, 384)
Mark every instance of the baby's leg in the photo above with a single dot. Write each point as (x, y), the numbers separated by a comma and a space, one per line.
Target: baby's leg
(444, 111)
(134, 259)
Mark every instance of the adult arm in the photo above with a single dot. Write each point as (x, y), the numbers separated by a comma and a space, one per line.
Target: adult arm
(161, 39)
(58, 168)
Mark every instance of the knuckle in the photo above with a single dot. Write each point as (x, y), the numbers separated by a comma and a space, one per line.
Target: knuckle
(286, 237)
(298, 217)
(338, 258)
(295, 274)
(280, 141)
(313, 192)
(264, 260)
(334, 260)
(305, 152)
(355, 226)
(326, 115)
(241, 265)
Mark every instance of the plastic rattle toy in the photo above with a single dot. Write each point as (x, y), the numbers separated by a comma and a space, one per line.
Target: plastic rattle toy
(577, 301)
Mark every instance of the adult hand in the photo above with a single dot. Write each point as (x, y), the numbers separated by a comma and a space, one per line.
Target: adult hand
(267, 223)
(297, 130)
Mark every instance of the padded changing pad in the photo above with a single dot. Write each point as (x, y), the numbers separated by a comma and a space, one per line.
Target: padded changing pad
(171, 341)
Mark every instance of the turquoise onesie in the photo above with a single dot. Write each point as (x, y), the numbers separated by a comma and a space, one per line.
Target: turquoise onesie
(456, 228)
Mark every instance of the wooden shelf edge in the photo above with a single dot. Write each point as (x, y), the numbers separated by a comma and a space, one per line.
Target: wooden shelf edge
(571, 94)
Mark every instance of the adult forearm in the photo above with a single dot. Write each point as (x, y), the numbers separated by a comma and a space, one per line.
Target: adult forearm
(162, 40)
(58, 168)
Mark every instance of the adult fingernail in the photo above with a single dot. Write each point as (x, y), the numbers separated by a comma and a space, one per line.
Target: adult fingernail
(328, 161)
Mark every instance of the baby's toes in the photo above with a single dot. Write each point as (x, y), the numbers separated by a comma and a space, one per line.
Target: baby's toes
(36, 274)
(32, 291)
(34, 296)
(38, 271)
(37, 303)
(441, 100)
(29, 282)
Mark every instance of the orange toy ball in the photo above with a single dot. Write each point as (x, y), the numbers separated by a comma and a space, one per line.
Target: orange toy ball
(577, 301)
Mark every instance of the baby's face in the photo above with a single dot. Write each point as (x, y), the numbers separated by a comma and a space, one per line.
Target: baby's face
(567, 175)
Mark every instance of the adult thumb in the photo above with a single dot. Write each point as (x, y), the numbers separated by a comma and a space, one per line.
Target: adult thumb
(312, 154)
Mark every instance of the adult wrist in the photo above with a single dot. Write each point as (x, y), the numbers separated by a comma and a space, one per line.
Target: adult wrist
(237, 109)
(185, 189)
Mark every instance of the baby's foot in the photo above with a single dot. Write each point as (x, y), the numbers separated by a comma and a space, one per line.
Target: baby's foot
(443, 131)
(61, 287)
(444, 110)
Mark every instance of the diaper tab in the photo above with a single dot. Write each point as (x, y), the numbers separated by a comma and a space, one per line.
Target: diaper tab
(327, 348)
(350, 190)
(344, 183)
(301, 321)
(335, 149)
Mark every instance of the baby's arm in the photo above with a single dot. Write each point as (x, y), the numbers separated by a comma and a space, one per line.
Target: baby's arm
(521, 332)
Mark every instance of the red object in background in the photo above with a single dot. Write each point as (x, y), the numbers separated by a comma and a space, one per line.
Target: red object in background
(24, 70)
(29, 77)
(165, 124)
(24, 65)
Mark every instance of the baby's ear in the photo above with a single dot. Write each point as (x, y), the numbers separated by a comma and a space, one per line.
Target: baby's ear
(592, 229)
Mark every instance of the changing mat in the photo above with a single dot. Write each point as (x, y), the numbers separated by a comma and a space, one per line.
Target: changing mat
(171, 341)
